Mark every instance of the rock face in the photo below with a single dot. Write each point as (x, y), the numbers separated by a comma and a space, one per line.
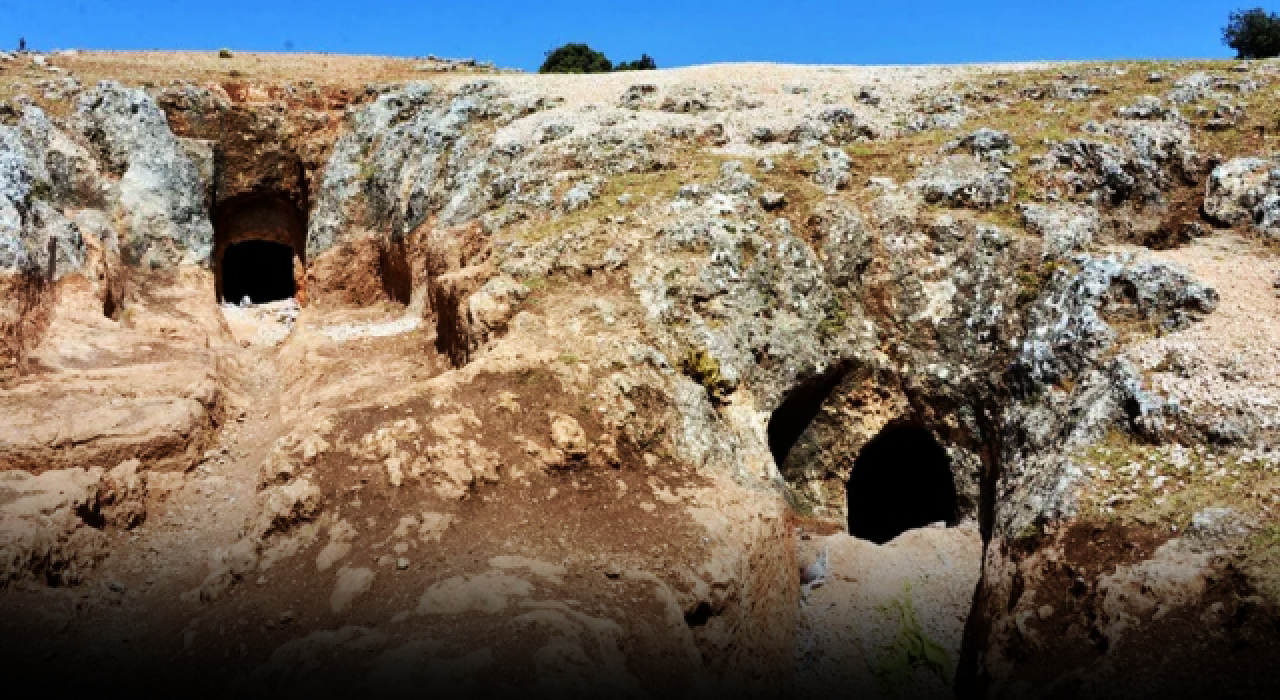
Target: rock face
(160, 193)
(962, 182)
(584, 383)
(1244, 191)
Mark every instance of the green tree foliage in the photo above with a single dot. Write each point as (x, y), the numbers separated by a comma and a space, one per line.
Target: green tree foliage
(645, 62)
(580, 58)
(575, 58)
(1253, 33)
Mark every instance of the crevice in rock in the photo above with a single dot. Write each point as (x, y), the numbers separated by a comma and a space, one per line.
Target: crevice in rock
(393, 268)
(901, 480)
(111, 306)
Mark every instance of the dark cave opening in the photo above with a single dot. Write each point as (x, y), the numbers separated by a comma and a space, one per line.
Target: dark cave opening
(901, 480)
(790, 419)
(259, 244)
(260, 270)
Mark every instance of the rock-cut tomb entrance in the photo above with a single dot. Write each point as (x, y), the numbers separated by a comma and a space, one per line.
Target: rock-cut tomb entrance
(258, 251)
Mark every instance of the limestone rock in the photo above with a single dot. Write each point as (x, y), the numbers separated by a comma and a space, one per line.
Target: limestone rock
(42, 528)
(286, 505)
(351, 584)
(1147, 107)
(568, 436)
(1066, 229)
(961, 181)
(1245, 191)
(986, 144)
(124, 495)
(160, 192)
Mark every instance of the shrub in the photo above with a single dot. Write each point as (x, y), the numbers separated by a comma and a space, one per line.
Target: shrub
(224, 53)
(645, 62)
(1253, 33)
(575, 58)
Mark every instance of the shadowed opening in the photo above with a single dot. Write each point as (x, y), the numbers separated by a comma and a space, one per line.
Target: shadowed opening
(901, 480)
(790, 420)
(260, 270)
(259, 241)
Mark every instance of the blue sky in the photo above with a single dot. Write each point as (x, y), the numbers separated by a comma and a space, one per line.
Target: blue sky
(675, 32)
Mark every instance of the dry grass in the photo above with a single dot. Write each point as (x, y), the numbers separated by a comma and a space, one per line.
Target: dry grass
(1124, 478)
(645, 189)
(160, 68)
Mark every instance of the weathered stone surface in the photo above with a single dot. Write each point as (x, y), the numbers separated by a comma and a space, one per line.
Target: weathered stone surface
(1066, 229)
(1245, 191)
(569, 373)
(984, 143)
(160, 192)
(43, 533)
(961, 181)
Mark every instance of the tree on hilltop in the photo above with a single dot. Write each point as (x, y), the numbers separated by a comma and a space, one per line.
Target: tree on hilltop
(575, 58)
(1253, 33)
(645, 62)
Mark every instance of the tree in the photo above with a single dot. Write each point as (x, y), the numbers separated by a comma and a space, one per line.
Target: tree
(645, 62)
(1253, 33)
(575, 58)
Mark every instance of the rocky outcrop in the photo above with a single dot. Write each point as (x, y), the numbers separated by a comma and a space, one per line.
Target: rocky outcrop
(960, 181)
(570, 370)
(1245, 191)
(1066, 229)
(160, 193)
(1146, 159)
(51, 524)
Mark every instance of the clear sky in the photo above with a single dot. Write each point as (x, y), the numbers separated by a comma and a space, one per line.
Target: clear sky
(516, 33)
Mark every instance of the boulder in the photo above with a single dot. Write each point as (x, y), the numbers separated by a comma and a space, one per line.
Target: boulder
(1065, 228)
(963, 181)
(986, 144)
(1245, 191)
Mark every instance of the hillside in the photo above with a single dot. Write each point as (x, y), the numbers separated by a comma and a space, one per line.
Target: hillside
(340, 375)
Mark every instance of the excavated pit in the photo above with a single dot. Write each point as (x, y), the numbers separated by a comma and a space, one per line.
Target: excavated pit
(901, 480)
(259, 243)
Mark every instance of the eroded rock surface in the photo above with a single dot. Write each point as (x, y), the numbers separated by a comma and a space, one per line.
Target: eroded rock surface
(575, 367)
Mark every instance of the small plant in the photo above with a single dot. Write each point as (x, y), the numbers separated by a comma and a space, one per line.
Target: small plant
(834, 321)
(703, 368)
(911, 648)
(225, 53)
(569, 359)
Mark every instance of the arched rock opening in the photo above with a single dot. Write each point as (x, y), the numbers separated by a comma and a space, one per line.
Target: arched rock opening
(259, 244)
(901, 480)
(790, 420)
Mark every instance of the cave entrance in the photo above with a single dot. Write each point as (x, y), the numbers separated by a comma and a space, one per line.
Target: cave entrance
(901, 480)
(259, 243)
(790, 420)
(259, 270)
